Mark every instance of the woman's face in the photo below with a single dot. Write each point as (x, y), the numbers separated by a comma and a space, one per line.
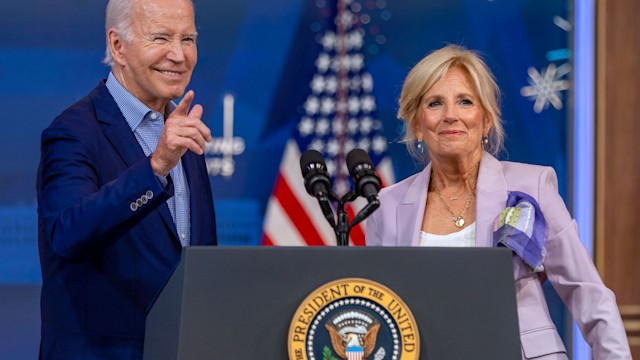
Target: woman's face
(451, 120)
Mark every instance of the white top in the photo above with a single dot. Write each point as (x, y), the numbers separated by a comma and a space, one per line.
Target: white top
(463, 238)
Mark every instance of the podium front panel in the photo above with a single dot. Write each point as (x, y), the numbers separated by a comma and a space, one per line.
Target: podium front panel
(238, 303)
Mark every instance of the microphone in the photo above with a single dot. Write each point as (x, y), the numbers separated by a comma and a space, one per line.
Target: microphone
(363, 174)
(314, 171)
(317, 181)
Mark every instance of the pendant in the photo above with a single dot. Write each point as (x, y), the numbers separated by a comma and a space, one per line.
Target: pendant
(459, 221)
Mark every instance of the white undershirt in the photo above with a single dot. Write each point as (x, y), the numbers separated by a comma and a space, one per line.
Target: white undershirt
(463, 238)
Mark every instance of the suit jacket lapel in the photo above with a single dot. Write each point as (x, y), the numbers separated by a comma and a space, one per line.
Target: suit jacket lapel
(124, 142)
(411, 210)
(491, 197)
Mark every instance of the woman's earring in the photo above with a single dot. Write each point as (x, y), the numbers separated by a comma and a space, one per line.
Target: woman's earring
(420, 147)
(484, 142)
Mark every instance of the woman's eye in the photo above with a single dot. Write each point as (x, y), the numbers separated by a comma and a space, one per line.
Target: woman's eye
(434, 104)
(466, 102)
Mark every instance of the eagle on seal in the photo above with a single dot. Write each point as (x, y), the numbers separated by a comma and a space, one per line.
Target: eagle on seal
(347, 344)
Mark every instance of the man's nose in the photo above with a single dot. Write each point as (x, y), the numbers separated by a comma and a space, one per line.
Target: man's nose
(176, 52)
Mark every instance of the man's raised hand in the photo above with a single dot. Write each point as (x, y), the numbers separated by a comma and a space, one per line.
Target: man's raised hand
(183, 130)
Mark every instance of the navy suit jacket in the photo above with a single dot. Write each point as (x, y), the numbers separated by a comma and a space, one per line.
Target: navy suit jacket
(103, 259)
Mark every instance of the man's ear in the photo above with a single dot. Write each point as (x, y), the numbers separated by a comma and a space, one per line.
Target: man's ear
(116, 44)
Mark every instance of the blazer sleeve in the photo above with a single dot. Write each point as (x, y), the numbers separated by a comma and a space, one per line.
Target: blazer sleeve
(574, 277)
(80, 213)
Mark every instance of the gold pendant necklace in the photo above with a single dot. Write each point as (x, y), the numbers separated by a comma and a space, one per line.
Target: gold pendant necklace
(458, 220)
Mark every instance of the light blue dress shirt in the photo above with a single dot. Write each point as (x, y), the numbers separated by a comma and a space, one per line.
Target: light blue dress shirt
(147, 126)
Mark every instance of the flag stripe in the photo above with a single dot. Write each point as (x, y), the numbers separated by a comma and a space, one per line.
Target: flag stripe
(297, 213)
(278, 227)
(290, 170)
(266, 240)
(291, 203)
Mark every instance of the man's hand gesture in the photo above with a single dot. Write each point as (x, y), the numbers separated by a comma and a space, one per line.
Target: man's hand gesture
(183, 130)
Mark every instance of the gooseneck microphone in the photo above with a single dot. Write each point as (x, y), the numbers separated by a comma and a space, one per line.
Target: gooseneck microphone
(363, 174)
(366, 181)
(317, 181)
(314, 171)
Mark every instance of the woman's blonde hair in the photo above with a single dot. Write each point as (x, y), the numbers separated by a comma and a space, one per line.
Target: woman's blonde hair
(434, 67)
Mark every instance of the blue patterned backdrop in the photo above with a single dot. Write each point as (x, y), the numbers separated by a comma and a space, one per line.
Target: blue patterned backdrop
(260, 54)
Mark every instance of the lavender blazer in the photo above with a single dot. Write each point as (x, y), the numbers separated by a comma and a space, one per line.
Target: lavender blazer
(567, 264)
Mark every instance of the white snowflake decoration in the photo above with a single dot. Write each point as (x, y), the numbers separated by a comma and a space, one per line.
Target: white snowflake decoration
(545, 86)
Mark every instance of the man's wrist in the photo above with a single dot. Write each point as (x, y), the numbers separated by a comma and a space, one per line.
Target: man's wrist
(156, 168)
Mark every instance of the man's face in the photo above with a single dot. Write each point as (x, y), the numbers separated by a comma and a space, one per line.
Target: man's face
(158, 61)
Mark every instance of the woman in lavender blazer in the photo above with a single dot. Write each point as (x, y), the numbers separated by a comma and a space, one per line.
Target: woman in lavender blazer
(466, 197)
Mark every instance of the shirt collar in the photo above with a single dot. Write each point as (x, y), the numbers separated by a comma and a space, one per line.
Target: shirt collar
(133, 110)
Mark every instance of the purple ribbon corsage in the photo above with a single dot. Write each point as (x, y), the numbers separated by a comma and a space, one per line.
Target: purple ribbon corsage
(521, 227)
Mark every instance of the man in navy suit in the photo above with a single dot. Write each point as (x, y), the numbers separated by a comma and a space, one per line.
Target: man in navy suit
(122, 186)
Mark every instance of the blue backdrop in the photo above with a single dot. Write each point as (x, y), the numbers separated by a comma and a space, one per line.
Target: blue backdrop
(261, 53)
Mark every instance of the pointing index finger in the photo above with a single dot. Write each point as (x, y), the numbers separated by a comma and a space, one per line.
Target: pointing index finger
(185, 104)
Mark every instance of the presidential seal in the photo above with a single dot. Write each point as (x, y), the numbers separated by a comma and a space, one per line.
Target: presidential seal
(353, 319)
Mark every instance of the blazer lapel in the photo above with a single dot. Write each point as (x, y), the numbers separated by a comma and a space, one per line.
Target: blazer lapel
(491, 197)
(124, 142)
(411, 210)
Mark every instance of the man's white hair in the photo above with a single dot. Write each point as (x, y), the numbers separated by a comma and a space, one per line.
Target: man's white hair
(118, 17)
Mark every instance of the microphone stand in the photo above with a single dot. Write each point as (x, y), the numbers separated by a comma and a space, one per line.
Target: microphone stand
(342, 228)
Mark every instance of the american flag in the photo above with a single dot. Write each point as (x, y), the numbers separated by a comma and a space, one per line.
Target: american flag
(338, 116)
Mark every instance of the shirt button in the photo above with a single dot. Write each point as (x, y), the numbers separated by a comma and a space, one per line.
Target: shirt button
(153, 116)
(184, 236)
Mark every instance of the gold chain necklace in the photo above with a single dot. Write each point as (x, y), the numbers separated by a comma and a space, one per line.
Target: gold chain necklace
(458, 221)
(455, 197)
